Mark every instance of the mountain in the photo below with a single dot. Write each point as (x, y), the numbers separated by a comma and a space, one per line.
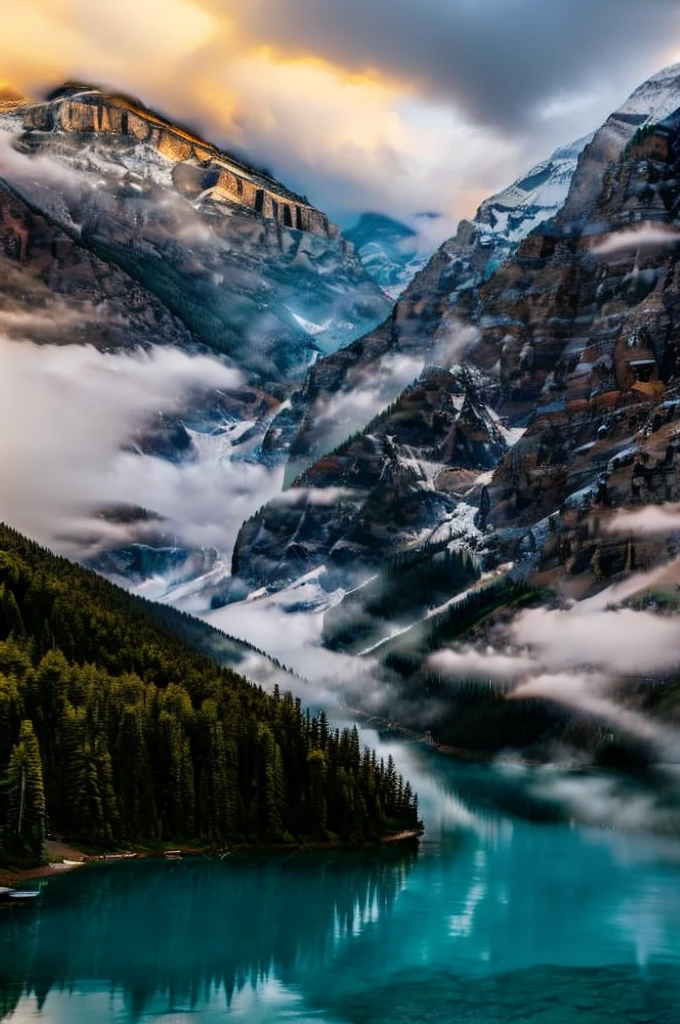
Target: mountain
(123, 230)
(469, 459)
(425, 323)
(121, 732)
(499, 319)
(388, 250)
(562, 413)
(506, 218)
(251, 268)
(408, 477)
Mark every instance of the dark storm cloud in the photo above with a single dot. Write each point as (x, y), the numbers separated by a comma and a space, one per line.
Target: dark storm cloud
(498, 60)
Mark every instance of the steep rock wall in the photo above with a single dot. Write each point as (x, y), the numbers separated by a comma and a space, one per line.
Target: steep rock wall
(206, 169)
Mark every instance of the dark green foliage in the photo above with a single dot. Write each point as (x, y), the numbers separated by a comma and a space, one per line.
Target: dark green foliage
(24, 829)
(480, 717)
(138, 736)
(411, 583)
(641, 135)
(406, 653)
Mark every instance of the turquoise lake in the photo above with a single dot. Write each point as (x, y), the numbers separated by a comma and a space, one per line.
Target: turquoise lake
(508, 911)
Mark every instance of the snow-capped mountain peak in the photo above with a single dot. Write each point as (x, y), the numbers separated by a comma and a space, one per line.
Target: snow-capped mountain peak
(656, 98)
(537, 196)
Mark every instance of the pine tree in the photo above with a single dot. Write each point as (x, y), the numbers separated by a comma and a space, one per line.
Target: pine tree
(25, 823)
(273, 796)
(317, 786)
(11, 621)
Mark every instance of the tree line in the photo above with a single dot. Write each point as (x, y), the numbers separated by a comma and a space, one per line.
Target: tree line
(408, 585)
(114, 730)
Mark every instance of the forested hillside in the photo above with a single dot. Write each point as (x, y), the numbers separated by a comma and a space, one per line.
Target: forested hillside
(114, 730)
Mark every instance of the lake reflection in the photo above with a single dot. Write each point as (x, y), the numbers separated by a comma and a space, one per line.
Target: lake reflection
(496, 918)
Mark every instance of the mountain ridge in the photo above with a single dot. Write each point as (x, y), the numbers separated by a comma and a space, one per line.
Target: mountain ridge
(444, 292)
(81, 108)
(230, 251)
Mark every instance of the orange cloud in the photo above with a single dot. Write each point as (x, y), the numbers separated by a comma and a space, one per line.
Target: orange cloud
(349, 139)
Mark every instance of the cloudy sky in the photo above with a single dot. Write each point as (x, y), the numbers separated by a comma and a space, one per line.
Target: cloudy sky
(396, 105)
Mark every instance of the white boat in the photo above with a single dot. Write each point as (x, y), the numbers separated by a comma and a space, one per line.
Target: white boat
(23, 894)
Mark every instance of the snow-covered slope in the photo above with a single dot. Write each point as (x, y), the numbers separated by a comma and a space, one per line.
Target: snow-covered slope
(656, 98)
(506, 218)
(510, 215)
(652, 102)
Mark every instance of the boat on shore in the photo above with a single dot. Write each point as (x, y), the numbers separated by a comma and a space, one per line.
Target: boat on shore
(10, 896)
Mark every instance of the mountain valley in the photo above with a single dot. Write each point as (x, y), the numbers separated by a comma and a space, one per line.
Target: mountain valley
(436, 475)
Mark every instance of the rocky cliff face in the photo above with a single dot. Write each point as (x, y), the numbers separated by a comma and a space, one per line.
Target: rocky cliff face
(444, 297)
(205, 170)
(583, 332)
(653, 101)
(251, 269)
(55, 291)
(407, 478)
(428, 320)
(573, 340)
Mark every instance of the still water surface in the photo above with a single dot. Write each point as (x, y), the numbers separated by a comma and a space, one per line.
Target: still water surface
(502, 915)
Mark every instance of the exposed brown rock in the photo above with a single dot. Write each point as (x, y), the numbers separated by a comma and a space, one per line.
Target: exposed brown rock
(83, 109)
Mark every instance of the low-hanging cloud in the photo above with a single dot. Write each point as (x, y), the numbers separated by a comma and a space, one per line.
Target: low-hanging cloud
(451, 341)
(318, 496)
(588, 694)
(468, 663)
(583, 658)
(38, 168)
(647, 236)
(72, 414)
(650, 520)
(368, 392)
(615, 640)
(648, 806)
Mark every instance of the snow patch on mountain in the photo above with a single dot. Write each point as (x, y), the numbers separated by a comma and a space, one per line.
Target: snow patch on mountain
(307, 325)
(656, 98)
(509, 216)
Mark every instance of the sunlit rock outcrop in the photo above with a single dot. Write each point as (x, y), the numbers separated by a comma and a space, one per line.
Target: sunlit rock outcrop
(82, 109)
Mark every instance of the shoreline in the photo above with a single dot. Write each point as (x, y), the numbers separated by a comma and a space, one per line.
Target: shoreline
(11, 875)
